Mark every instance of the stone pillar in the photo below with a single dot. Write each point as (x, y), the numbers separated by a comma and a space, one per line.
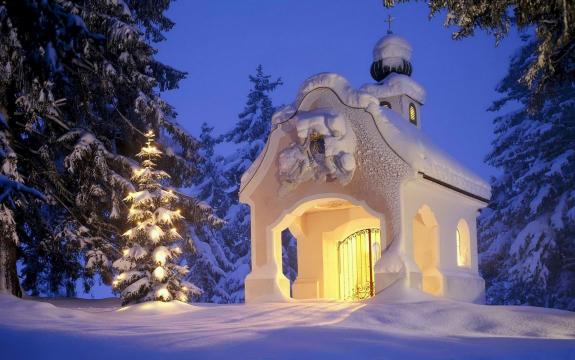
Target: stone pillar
(266, 281)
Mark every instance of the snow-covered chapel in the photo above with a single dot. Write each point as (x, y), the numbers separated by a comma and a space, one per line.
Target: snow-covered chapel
(371, 201)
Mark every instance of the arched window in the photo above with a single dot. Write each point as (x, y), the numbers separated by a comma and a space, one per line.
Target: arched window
(463, 244)
(412, 114)
(385, 104)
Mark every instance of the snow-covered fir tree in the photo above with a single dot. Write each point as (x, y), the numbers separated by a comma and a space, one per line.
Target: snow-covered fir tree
(249, 136)
(79, 84)
(149, 269)
(212, 185)
(527, 235)
(553, 59)
(209, 260)
(14, 195)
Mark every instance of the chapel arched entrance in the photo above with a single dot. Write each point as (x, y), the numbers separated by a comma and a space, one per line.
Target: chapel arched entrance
(338, 243)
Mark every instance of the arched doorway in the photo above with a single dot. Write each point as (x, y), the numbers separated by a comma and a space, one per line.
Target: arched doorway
(426, 250)
(320, 227)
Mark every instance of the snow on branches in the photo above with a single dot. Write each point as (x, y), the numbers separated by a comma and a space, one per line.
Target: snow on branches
(148, 268)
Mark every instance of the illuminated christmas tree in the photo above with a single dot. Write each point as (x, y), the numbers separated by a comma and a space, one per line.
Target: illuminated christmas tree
(148, 269)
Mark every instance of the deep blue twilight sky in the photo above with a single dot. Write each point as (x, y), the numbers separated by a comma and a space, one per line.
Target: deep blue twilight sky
(220, 42)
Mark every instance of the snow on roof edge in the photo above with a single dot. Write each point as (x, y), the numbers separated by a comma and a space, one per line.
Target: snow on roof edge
(409, 142)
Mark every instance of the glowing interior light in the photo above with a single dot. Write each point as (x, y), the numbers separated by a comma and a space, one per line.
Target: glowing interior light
(126, 252)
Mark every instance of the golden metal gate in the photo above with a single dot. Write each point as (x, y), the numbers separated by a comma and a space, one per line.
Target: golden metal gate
(357, 254)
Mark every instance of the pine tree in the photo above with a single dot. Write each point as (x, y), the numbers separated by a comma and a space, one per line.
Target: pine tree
(212, 186)
(79, 85)
(148, 268)
(13, 196)
(527, 236)
(553, 60)
(209, 262)
(249, 135)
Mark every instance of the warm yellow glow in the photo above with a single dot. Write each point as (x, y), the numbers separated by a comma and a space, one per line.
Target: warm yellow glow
(425, 232)
(126, 251)
(160, 255)
(163, 294)
(155, 234)
(165, 216)
(462, 244)
(115, 283)
(182, 297)
(412, 114)
(159, 273)
(355, 276)
(128, 233)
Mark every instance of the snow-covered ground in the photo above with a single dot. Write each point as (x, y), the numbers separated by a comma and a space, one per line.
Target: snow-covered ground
(383, 328)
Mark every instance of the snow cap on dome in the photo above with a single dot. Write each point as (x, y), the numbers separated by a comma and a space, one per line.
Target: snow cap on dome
(391, 54)
(392, 47)
(396, 85)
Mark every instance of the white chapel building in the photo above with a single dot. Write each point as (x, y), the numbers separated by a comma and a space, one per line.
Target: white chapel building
(371, 201)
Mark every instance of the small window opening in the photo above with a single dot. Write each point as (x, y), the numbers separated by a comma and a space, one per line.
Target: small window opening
(385, 104)
(412, 114)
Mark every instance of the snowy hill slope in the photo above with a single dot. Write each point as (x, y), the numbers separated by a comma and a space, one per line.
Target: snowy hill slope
(380, 329)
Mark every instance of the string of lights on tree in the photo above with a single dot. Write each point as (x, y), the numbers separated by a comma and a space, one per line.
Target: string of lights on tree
(149, 269)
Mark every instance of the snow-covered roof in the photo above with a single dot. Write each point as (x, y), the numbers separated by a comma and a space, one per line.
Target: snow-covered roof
(394, 85)
(408, 142)
(424, 156)
(392, 47)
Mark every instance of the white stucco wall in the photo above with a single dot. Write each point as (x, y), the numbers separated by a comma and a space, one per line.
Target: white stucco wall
(448, 207)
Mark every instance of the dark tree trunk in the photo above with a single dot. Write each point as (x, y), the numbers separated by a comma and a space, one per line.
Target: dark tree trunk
(8, 258)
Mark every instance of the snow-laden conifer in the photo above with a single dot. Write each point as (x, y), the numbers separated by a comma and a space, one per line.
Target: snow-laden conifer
(527, 235)
(79, 84)
(209, 260)
(249, 135)
(553, 58)
(148, 269)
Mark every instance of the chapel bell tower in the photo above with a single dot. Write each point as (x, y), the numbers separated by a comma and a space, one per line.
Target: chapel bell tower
(395, 89)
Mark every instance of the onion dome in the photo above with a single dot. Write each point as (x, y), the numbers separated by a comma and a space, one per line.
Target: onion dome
(391, 54)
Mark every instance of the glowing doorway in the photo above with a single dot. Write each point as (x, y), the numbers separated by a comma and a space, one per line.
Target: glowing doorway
(357, 254)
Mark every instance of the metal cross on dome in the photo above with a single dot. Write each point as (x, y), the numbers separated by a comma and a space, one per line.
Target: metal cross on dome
(389, 21)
